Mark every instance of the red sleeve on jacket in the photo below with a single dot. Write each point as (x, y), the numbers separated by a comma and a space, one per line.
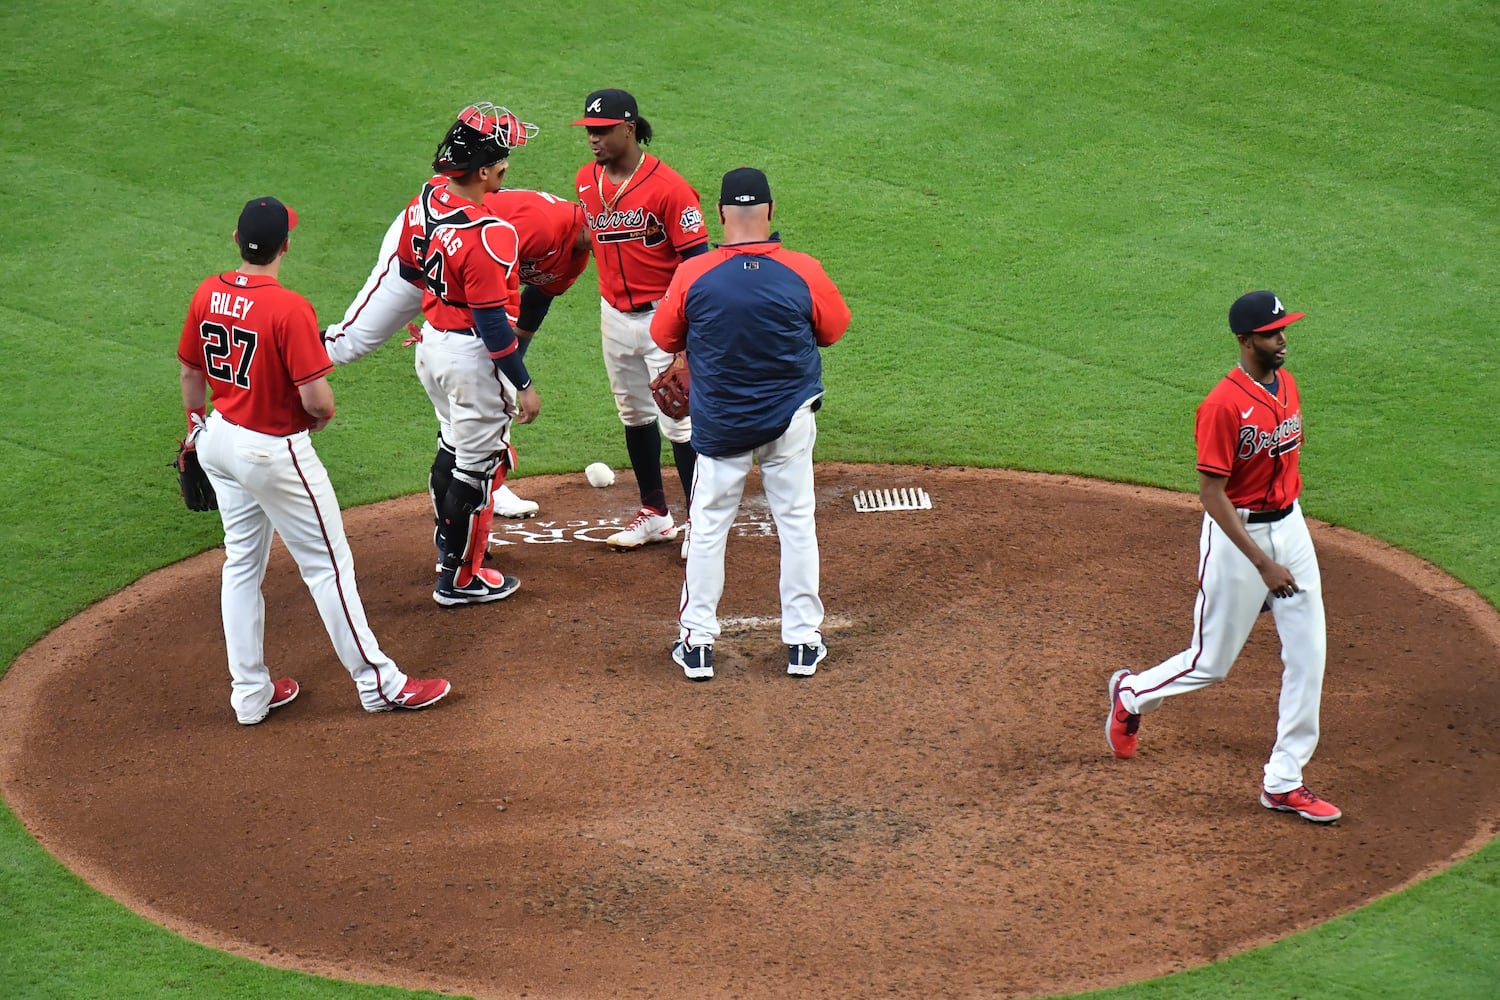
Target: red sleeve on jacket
(830, 316)
(669, 322)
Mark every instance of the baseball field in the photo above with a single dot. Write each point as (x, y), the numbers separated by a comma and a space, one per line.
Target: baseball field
(1038, 213)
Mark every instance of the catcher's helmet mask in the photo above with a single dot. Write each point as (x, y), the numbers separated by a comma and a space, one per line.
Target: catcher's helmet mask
(483, 134)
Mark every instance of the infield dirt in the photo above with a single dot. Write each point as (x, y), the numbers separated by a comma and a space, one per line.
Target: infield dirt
(934, 814)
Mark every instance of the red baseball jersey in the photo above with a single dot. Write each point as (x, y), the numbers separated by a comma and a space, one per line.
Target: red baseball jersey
(467, 256)
(639, 228)
(256, 342)
(547, 227)
(1254, 438)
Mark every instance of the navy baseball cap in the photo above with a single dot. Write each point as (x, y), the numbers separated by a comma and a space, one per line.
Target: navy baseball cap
(1259, 312)
(745, 186)
(264, 224)
(608, 107)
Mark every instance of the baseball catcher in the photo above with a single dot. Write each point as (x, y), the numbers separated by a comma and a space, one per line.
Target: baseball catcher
(672, 386)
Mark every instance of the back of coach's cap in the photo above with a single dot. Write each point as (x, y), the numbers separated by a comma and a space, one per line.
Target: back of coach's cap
(1259, 312)
(745, 186)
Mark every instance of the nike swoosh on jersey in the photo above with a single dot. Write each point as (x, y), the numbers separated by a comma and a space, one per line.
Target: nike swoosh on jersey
(1246, 413)
(584, 187)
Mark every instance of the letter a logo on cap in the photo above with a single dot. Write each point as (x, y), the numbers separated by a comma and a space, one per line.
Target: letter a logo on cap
(1279, 307)
(597, 104)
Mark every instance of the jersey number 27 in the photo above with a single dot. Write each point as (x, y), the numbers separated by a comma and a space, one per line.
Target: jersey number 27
(218, 344)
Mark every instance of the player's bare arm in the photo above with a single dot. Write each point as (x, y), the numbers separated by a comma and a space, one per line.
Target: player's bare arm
(1216, 502)
(317, 400)
(194, 389)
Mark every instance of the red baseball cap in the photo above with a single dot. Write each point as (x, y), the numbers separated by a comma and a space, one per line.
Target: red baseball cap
(608, 107)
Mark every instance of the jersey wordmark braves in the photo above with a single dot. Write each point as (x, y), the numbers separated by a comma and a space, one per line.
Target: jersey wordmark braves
(547, 227)
(454, 242)
(256, 342)
(1254, 437)
(640, 228)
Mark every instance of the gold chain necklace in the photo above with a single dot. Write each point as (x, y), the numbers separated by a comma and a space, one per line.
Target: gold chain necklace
(1263, 387)
(610, 203)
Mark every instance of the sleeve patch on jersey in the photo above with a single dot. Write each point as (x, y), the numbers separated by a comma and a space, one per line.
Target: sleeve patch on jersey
(692, 220)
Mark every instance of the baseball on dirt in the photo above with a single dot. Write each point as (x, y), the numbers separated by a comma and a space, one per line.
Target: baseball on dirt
(599, 474)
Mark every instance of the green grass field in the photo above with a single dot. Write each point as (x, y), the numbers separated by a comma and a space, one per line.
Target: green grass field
(1038, 211)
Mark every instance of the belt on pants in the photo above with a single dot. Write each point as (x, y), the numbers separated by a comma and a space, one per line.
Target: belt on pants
(643, 309)
(1267, 516)
(467, 331)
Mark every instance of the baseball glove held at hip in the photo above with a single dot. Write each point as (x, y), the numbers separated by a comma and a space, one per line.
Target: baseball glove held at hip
(192, 481)
(671, 388)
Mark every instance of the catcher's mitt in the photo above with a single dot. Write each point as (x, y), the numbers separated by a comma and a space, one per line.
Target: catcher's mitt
(197, 491)
(671, 388)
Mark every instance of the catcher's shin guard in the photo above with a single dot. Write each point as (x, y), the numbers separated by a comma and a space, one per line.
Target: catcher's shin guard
(439, 477)
(460, 515)
(465, 515)
(480, 534)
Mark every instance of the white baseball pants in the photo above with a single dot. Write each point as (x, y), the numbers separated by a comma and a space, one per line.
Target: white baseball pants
(786, 470)
(269, 484)
(474, 403)
(632, 360)
(1230, 594)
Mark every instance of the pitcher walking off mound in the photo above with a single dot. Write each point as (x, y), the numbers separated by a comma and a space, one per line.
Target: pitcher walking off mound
(1254, 545)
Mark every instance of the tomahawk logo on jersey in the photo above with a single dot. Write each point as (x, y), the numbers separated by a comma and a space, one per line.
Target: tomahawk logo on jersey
(1254, 438)
(640, 229)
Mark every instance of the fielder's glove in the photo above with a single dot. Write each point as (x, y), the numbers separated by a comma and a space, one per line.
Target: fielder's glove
(671, 388)
(192, 481)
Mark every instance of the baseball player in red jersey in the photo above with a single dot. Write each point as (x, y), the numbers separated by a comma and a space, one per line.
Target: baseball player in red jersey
(468, 356)
(751, 316)
(256, 345)
(554, 250)
(645, 219)
(1254, 546)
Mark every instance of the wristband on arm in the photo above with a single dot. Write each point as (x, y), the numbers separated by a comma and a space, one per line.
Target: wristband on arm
(500, 340)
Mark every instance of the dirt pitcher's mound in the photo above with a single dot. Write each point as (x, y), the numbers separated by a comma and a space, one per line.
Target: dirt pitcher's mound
(935, 814)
